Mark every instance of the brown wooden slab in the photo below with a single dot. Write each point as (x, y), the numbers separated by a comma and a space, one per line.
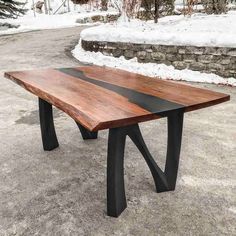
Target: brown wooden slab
(102, 97)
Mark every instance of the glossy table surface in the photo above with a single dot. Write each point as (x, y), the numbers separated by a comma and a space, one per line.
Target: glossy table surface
(102, 97)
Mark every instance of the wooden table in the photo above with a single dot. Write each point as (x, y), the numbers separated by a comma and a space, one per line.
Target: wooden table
(103, 98)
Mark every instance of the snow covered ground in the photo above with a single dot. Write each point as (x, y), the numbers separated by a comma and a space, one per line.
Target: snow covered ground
(61, 19)
(29, 22)
(149, 69)
(197, 30)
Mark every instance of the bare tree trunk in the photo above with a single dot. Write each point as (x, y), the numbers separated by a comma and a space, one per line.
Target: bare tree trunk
(45, 6)
(156, 13)
(34, 8)
(68, 5)
(104, 5)
(49, 7)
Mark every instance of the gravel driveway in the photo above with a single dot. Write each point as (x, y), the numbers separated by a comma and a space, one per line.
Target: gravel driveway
(63, 192)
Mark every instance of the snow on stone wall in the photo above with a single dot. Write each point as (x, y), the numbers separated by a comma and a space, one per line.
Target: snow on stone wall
(218, 60)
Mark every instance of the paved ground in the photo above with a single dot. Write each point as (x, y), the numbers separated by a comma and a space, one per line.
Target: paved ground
(63, 192)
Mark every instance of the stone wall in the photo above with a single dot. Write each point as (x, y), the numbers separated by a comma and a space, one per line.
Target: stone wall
(98, 18)
(218, 60)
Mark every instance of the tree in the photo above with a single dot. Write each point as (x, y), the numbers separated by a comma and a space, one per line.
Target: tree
(156, 10)
(215, 6)
(104, 5)
(153, 9)
(11, 8)
(150, 9)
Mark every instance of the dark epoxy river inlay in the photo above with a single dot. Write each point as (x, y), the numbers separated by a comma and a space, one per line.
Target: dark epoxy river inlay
(148, 102)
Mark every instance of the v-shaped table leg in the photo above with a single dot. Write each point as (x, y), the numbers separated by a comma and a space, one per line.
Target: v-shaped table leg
(158, 175)
(164, 180)
(86, 134)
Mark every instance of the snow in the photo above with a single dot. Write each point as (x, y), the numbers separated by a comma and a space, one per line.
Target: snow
(197, 30)
(149, 69)
(29, 22)
(63, 19)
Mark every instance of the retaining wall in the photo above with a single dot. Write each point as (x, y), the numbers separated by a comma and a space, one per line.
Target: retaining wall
(218, 60)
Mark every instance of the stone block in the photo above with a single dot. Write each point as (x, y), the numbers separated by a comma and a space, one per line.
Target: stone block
(197, 66)
(205, 59)
(100, 44)
(173, 57)
(210, 50)
(90, 46)
(181, 51)
(232, 53)
(226, 74)
(118, 52)
(190, 49)
(219, 51)
(224, 61)
(155, 48)
(141, 54)
(232, 66)
(97, 18)
(113, 44)
(215, 66)
(109, 47)
(111, 18)
(84, 20)
(163, 48)
(223, 50)
(145, 46)
(189, 57)
(129, 54)
(171, 49)
(149, 50)
(198, 50)
(158, 56)
(233, 60)
(213, 70)
(166, 62)
(136, 47)
(179, 65)
(149, 57)
(106, 53)
(123, 46)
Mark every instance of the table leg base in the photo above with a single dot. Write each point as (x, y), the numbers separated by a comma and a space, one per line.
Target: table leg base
(116, 199)
(48, 133)
(164, 180)
(49, 137)
(86, 134)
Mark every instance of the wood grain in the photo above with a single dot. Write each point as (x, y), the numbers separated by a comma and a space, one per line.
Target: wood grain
(101, 97)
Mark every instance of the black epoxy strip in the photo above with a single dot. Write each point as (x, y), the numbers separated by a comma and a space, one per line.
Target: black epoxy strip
(148, 102)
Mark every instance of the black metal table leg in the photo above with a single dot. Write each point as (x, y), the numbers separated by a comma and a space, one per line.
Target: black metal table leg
(48, 133)
(175, 129)
(86, 134)
(164, 180)
(116, 200)
(157, 173)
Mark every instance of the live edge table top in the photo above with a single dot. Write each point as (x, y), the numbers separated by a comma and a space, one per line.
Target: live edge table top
(102, 97)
